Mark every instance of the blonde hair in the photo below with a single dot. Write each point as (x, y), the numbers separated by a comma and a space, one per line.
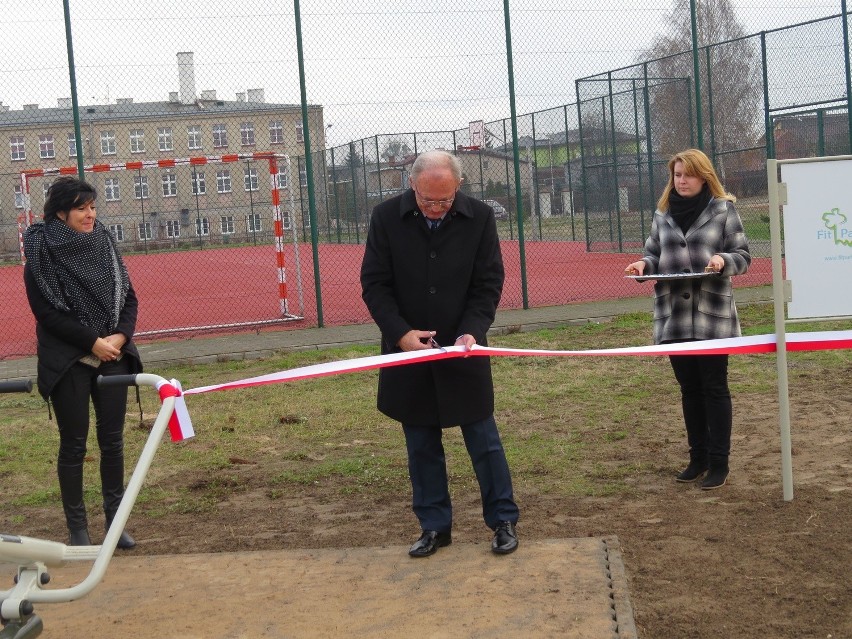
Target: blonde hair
(695, 163)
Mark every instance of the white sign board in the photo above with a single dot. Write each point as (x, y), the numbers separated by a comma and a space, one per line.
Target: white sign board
(818, 237)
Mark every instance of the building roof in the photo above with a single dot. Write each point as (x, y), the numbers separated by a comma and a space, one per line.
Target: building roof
(137, 111)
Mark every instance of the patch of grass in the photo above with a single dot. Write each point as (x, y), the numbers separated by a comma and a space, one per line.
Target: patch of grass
(567, 424)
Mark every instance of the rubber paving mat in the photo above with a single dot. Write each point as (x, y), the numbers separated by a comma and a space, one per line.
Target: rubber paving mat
(573, 588)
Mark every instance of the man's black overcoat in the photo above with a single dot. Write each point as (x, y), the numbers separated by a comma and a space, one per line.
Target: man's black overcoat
(449, 281)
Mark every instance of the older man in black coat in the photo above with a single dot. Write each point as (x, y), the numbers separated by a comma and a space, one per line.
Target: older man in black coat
(433, 274)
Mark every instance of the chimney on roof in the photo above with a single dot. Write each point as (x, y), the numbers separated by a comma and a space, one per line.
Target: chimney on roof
(241, 97)
(208, 94)
(186, 77)
(124, 100)
(255, 95)
(30, 107)
(173, 96)
(63, 103)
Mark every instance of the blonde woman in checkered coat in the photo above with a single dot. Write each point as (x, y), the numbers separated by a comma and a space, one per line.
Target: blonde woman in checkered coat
(695, 229)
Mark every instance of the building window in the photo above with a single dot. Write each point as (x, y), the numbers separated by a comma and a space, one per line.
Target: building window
(108, 142)
(276, 132)
(220, 135)
(172, 228)
(303, 177)
(250, 180)
(247, 134)
(223, 181)
(300, 133)
(193, 134)
(46, 149)
(202, 226)
(72, 146)
(19, 197)
(227, 224)
(117, 231)
(16, 146)
(164, 138)
(145, 232)
(281, 181)
(253, 223)
(140, 188)
(137, 141)
(112, 190)
(199, 186)
(169, 181)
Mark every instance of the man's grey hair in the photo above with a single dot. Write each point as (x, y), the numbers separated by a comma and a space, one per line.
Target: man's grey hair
(436, 159)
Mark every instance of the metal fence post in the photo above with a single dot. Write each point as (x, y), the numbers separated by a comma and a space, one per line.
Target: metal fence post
(515, 153)
(309, 168)
(696, 70)
(845, 22)
(769, 134)
(72, 79)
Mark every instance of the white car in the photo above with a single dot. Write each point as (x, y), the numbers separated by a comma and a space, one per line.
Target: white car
(499, 209)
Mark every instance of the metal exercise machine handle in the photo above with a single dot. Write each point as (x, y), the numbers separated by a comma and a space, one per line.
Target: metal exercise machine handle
(116, 380)
(16, 386)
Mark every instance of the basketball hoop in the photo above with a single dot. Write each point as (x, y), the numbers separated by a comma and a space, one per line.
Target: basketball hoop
(476, 134)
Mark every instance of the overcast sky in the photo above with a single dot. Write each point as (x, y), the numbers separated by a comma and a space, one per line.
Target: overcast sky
(375, 66)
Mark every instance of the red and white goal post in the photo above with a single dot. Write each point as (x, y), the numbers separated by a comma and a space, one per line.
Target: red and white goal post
(280, 191)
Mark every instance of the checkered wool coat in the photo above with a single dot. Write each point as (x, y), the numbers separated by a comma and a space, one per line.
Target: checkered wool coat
(696, 308)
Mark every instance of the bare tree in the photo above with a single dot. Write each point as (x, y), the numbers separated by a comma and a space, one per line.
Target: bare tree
(395, 149)
(730, 80)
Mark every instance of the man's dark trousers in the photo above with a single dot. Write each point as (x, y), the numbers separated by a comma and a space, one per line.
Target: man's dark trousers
(427, 468)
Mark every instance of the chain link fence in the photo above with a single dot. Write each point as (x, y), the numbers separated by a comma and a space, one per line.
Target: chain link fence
(174, 113)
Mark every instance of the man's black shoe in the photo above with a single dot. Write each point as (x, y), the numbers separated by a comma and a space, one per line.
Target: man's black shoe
(429, 543)
(505, 538)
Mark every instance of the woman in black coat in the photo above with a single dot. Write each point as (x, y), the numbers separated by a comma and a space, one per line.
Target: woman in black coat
(85, 310)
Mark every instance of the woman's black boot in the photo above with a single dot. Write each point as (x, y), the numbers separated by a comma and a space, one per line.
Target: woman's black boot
(71, 488)
(696, 468)
(112, 487)
(717, 473)
(79, 537)
(125, 541)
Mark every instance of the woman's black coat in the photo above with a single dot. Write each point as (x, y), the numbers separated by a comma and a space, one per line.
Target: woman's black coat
(449, 281)
(63, 340)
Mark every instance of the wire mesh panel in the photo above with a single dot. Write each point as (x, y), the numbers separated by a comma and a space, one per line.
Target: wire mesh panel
(602, 92)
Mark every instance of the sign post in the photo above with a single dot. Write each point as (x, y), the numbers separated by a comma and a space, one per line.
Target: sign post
(817, 247)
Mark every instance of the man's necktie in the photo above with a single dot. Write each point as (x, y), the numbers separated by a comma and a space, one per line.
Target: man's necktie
(433, 224)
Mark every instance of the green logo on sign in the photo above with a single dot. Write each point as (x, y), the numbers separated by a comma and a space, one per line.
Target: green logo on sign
(835, 222)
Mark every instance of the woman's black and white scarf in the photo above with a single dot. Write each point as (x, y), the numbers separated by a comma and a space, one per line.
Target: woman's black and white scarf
(80, 273)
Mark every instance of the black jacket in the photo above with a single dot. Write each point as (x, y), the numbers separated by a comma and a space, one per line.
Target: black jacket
(449, 281)
(63, 340)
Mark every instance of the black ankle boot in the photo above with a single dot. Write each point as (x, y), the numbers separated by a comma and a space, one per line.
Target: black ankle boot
(697, 467)
(125, 541)
(79, 537)
(717, 474)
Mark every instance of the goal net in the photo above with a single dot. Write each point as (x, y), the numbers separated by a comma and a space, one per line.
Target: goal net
(206, 239)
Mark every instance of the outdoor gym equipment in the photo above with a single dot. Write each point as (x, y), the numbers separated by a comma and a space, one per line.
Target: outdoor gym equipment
(34, 556)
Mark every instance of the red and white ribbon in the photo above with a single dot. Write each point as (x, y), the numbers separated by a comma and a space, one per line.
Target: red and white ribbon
(180, 425)
(825, 340)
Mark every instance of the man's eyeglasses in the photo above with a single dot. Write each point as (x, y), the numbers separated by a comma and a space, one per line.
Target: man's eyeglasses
(431, 203)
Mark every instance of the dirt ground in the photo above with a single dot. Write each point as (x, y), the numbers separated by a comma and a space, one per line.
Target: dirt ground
(738, 562)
